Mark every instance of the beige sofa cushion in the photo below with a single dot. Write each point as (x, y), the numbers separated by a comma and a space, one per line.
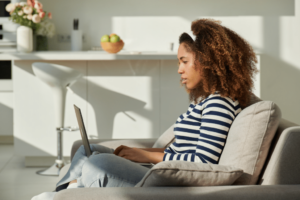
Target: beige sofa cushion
(249, 140)
(182, 173)
(165, 138)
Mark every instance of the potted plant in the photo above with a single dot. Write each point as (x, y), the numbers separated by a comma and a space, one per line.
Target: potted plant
(32, 18)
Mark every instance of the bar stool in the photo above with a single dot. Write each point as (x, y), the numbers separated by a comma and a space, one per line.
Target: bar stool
(58, 77)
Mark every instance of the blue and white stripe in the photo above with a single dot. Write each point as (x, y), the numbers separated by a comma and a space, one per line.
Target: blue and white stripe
(201, 132)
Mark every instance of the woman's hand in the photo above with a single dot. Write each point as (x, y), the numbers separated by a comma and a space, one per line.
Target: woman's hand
(117, 150)
(138, 155)
(133, 154)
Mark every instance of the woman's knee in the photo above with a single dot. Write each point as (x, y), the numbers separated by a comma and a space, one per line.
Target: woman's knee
(100, 163)
(101, 160)
(81, 148)
(96, 167)
(109, 170)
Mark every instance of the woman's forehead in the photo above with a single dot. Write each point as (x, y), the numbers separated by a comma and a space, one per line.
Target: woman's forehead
(183, 53)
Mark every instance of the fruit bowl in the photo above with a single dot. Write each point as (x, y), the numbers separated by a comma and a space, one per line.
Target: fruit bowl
(112, 47)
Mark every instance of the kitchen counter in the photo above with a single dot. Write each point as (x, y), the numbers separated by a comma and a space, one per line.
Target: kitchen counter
(121, 96)
(90, 55)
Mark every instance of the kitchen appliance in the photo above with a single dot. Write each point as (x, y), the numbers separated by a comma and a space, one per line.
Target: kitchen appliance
(7, 44)
(7, 30)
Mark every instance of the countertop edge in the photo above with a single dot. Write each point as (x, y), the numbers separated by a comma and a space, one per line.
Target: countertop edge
(51, 55)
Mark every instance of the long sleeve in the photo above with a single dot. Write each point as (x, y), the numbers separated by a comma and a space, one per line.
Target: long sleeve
(201, 133)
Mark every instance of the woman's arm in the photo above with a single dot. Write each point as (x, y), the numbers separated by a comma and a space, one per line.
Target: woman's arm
(214, 126)
(154, 149)
(140, 155)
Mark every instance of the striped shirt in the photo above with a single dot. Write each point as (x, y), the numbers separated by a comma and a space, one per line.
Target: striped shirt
(201, 132)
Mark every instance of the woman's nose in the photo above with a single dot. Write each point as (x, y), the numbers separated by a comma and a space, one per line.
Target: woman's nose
(180, 70)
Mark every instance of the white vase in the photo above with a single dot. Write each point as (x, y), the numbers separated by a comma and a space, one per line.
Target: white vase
(24, 39)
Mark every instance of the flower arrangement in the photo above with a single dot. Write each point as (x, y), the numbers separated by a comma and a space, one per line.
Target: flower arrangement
(46, 29)
(31, 14)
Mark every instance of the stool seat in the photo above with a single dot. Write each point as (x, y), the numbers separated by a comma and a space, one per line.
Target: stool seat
(58, 77)
(55, 75)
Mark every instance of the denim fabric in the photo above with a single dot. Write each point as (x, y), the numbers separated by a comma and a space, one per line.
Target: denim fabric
(102, 169)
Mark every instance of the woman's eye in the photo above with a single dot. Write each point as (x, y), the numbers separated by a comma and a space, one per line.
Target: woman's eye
(183, 62)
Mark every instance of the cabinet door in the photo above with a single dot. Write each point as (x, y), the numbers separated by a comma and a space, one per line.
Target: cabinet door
(34, 116)
(123, 99)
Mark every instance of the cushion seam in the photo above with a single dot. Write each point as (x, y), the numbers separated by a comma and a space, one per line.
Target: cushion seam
(262, 140)
(145, 178)
(195, 170)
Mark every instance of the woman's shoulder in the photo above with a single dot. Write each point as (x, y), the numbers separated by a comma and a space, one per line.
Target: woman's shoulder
(217, 100)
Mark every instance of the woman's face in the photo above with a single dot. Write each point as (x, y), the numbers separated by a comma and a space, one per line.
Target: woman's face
(190, 76)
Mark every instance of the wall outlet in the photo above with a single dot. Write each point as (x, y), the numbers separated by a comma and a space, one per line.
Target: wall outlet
(65, 38)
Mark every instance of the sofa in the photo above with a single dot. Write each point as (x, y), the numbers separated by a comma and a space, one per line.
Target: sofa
(278, 178)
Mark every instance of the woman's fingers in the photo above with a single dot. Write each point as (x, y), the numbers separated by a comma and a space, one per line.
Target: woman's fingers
(117, 151)
(123, 151)
(126, 153)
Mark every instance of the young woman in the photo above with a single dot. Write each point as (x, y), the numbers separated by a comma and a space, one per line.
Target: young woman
(216, 69)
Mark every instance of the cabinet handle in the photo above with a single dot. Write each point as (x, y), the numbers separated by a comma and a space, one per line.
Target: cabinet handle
(1, 36)
(1, 28)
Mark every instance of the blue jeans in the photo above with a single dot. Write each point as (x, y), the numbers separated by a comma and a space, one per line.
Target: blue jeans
(102, 170)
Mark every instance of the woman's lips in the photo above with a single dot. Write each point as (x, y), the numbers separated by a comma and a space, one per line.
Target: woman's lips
(183, 80)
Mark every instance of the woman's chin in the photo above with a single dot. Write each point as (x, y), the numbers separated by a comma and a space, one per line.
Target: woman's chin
(188, 87)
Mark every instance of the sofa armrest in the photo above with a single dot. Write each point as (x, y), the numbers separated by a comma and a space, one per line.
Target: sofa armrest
(249, 192)
(114, 143)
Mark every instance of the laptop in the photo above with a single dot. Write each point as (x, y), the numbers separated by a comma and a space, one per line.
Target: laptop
(84, 137)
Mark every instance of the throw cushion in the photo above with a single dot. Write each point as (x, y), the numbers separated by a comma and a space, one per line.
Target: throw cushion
(249, 140)
(182, 173)
(165, 139)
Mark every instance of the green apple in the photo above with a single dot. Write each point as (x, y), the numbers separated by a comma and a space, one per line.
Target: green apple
(105, 38)
(114, 38)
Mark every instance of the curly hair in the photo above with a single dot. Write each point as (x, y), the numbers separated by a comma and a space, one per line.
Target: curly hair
(226, 61)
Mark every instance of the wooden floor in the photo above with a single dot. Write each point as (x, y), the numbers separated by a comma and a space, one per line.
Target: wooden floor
(18, 182)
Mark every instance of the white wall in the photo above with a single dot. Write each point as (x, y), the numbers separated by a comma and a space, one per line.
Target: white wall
(271, 26)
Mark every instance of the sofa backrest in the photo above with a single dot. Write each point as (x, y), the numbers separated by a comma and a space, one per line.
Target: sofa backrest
(249, 140)
(270, 174)
(282, 164)
(281, 173)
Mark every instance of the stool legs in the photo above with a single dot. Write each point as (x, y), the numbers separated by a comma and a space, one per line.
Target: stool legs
(59, 162)
(58, 78)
